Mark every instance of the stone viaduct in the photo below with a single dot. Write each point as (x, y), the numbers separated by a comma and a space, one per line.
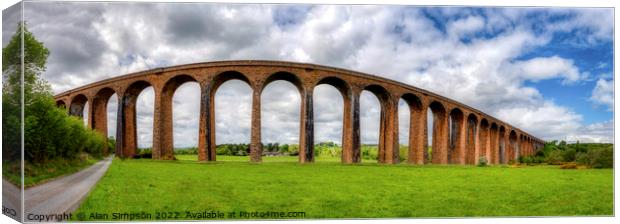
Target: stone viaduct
(460, 133)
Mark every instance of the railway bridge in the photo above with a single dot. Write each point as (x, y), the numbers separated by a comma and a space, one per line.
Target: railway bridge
(460, 134)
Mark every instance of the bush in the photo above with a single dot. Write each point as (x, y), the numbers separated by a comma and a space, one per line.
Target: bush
(222, 151)
(582, 158)
(370, 152)
(526, 159)
(145, 153)
(569, 155)
(601, 158)
(530, 160)
(554, 157)
(482, 161)
(50, 133)
(111, 145)
(538, 159)
(327, 150)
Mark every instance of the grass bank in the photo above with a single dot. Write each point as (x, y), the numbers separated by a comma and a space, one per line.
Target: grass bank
(40, 173)
(328, 189)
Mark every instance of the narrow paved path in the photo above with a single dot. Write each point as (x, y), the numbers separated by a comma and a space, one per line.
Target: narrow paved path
(62, 195)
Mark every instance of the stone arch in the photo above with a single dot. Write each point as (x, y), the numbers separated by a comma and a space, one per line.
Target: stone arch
(223, 77)
(306, 127)
(456, 149)
(379, 91)
(502, 145)
(135, 88)
(78, 102)
(440, 133)
(285, 76)
(163, 133)
(207, 130)
(388, 125)
(494, 144)
(472, 131)
(174, 82)
(342, 86)
(484, 140)
(126, 130)
(417, 128)
(512, 145)
(347, 139)
(99, 111)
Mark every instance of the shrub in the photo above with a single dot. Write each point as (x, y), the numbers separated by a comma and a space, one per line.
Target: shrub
(111, 145)
(145, 153)
(582, 158)
(482, 161)
(526, 159)
(601, 157)
(569, 155)
(554, 157)
(293, 149)
(284, 148)
(222, 151)
(538, 159)
(370, 152)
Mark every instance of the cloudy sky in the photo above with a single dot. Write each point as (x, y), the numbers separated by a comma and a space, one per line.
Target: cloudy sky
(548, 71)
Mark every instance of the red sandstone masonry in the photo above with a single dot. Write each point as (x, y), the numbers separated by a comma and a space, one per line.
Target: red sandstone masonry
(480, 135)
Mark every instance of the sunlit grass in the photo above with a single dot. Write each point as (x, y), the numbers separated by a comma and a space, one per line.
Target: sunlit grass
(329, 189)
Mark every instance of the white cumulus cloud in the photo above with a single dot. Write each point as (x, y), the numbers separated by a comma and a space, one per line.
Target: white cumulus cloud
(603, 93)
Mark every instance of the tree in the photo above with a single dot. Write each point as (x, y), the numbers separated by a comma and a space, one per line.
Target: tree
(284, 148)
(35, 56)
(49, 132)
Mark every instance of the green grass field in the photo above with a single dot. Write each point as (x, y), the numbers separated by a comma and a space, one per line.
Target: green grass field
(328, 189)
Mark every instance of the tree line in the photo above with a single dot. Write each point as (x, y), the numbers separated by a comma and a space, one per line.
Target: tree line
(595, 155)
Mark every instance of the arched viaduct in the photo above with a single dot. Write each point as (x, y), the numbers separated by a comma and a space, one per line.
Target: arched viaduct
(460, 133)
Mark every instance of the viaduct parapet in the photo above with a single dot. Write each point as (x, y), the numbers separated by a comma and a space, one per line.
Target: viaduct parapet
(460, 134)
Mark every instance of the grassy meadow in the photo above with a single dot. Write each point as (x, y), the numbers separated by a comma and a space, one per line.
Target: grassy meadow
(328, 189)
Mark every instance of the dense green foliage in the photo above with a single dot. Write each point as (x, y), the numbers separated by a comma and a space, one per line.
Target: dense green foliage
(593, 155)
(334, 190)
(50, 133)
(236, 149)
(51, 136)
